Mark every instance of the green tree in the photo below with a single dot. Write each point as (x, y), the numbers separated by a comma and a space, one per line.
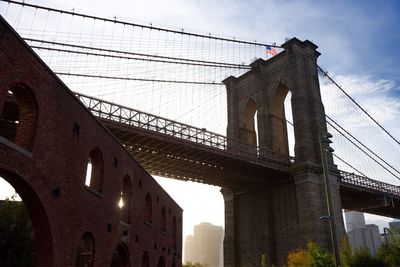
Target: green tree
(346, 252)
(264, 260)
(16, 234)
(357, 258)
(298, 258)
(314, 256)
(389, 252)
(318, 256)
(189, 264)
(362, 258)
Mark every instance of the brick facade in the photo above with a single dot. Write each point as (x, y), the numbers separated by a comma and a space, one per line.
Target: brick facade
(46, 144)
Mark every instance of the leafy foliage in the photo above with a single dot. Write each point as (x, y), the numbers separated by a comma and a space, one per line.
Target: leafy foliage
(359, 257)
(362, 258)
(346, 252)
(318, 256)
(264, 260)
(314, 256)
(298, 258)
(16, 235)
(390, 253)
(189, 264)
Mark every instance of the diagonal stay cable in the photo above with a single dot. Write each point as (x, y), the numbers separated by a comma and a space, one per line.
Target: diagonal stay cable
(325, 73)
(362, 150)
(362, 144)
(348, 164)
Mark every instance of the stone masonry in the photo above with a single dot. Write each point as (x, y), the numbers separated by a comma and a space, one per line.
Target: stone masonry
(283, 216)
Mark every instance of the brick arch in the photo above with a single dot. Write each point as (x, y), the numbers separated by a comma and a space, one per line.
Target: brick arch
(120, 257)
(86, 251)
(148, 209)
(163, 220)
(95, 170)
(126, 197)
(19, 115)
(38, 215)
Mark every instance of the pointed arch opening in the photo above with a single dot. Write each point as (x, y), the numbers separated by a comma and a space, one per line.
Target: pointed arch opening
(19, 116)
(248, 131)
(125, 203)
(281, 121)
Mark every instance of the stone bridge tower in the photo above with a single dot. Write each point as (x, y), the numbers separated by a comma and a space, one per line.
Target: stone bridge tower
(285, 215)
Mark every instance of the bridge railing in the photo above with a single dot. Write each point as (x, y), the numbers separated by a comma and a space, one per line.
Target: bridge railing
(351, 179)
(128, 116)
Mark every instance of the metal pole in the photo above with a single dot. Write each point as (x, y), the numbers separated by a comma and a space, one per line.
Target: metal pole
(332, 223)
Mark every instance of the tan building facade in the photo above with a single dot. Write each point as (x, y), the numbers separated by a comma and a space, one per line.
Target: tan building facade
(205, 245)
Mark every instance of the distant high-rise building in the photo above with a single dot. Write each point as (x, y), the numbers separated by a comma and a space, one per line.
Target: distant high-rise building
(362, 235)
(205, 245)
(190, 251)
(395, 224)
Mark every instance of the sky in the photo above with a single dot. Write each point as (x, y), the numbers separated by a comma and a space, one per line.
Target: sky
(359, 42)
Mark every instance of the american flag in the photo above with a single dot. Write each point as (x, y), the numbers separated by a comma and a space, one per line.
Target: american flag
(271, 50)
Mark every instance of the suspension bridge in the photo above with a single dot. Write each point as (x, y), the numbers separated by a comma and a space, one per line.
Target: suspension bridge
(160, 92)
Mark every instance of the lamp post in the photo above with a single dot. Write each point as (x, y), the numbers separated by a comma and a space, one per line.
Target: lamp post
(324, 142)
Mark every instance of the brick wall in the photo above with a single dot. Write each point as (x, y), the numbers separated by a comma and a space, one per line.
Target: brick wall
(46, 163)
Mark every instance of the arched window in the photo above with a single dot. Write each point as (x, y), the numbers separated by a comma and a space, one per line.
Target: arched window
(85, 254)
(174, 232)
(19, 116)
(163, 222)
(145, 260)
(148, 209)
(94, 170)
(126, 199)
(161, 262)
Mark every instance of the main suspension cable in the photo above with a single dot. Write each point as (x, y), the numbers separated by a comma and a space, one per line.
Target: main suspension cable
(134, 79)
(186, 61)
(73, 13)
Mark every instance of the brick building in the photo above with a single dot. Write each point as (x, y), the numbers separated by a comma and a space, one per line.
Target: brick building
(48, 142)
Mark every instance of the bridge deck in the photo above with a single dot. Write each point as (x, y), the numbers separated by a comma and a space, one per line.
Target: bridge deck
(172, 149)
(176, 150)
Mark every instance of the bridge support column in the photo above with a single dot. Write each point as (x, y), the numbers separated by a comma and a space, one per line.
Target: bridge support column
(277, 219)
(247, 227)
(312, 207)
(229, 237)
